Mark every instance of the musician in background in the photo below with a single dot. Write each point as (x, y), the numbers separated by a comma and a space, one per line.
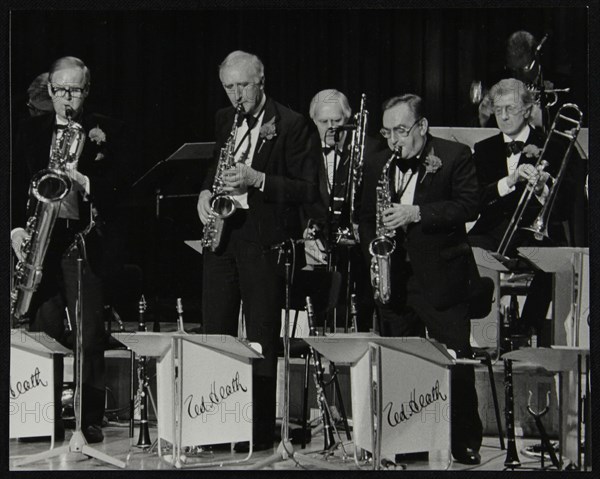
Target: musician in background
(275, 174)
(505, 165)
(98, 180)
(330, 109)
(522, 63)
(433, 193)
(38, 99)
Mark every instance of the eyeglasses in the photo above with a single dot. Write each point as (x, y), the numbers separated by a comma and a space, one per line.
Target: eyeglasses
(399, 130)
(234, 86)
(510, 109)
(73, 92)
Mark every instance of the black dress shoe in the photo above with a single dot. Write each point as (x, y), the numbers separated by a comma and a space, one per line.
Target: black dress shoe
(467, 456)
(257, 446)
(93, 434)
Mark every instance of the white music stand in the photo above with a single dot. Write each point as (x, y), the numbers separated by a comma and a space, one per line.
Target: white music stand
(566, 363)
(384, 385)
(204, 391)
(31, 388)
(570, 291)
(486, 332)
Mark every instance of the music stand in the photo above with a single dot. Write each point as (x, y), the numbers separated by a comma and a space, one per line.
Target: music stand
(373, 358)
(570, 291)
(563, 361)
(77, 443)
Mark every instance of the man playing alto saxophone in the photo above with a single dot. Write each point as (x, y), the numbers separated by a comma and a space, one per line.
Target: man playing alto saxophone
(275, 172)
(433, 193)
(97, 178)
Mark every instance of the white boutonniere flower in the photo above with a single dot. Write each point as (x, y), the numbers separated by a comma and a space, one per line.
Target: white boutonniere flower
(97, 135)
(531, 151)
(268, 130)
(432, 164)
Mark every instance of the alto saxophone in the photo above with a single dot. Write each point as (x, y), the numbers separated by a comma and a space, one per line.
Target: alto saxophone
(382, 247)
(48, 187)
(222, 204)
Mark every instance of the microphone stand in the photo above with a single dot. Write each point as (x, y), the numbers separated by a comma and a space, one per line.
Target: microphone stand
(331, 243)
(77, 444)
(285, 450)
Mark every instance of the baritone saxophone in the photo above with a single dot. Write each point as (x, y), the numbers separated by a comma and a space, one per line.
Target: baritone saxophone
(47, 189)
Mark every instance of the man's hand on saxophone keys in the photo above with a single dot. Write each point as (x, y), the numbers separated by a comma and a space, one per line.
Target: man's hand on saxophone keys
(401, 215)
(17, 238)
(204, 209)
(242, 176)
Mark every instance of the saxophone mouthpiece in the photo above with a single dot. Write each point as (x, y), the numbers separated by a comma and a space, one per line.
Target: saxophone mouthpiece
(69, 112)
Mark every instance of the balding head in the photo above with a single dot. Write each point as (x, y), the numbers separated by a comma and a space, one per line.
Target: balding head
(329, 108)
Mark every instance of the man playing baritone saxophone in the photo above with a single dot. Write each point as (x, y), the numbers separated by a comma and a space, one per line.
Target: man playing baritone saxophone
(97, 180)
(434, 192)
(275, 172)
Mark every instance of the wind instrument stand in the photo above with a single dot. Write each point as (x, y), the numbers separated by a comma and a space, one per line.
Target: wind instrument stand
(77, 444)
(285, 450)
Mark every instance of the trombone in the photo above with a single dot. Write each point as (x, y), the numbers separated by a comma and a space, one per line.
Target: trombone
(567, 124)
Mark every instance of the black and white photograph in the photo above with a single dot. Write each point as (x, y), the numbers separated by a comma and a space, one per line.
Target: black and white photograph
(298, 236)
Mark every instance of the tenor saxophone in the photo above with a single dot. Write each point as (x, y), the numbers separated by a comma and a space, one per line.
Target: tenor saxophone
(222, 204)
(382, 247)
(47, 189)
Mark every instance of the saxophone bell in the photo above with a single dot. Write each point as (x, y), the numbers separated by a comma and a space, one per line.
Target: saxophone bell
(223, 205)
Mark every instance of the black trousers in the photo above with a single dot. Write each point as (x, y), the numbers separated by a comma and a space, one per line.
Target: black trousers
(408, 314)
(57, 291)
(245, 271)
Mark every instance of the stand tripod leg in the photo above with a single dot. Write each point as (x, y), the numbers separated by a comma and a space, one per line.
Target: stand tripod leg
(305, 400)
(338, 394)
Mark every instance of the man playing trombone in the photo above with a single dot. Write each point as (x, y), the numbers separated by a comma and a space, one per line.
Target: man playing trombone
(505, 165)
(336, 212)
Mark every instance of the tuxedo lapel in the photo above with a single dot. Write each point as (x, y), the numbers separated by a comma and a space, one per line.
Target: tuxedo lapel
(264, 145)
(341, 173)
(497, 155)
(323, 181)
(423, 179)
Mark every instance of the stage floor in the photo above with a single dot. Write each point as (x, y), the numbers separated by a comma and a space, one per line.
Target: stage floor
(118, 445)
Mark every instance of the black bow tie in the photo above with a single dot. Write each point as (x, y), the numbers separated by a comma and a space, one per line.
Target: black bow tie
(406, 164)
(251, 120)
(60, 127)
(514, 147)
(328, 149)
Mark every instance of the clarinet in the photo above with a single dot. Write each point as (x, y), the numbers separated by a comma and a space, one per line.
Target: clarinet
(512, 458)
(318, 377)
(144, 437)
(353, 314)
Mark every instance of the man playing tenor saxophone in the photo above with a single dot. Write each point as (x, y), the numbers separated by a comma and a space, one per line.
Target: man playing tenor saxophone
(432, 191)
(93, 182)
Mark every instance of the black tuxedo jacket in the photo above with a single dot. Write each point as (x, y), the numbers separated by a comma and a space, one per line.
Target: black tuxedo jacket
(289, 161)
(496, 211)
(441, 259)
(105, 164)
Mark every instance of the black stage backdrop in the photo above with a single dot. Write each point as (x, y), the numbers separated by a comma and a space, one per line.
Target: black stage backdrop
(157, 70)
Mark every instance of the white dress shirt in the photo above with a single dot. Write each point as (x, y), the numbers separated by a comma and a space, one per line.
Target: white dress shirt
(241, 146)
